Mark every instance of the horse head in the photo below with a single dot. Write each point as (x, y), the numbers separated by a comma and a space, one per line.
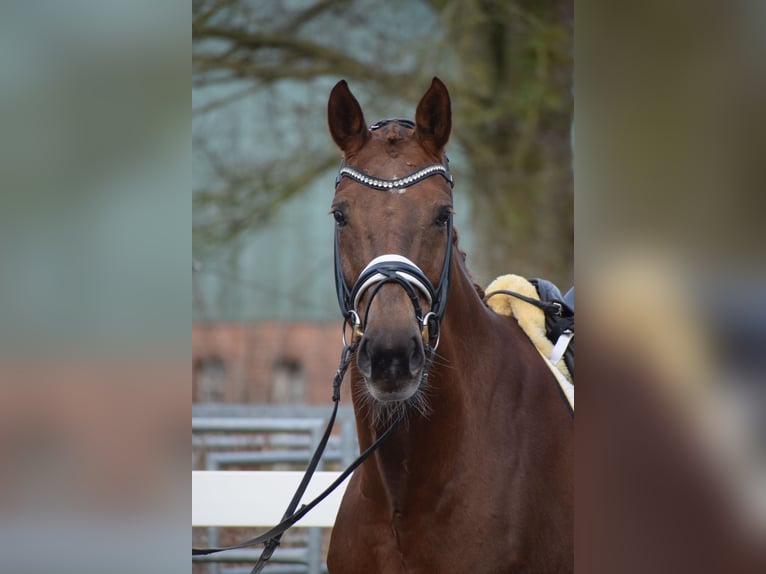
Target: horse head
(393, 215)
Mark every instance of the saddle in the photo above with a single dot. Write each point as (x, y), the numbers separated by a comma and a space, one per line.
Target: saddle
(561, 321)
(545, 315)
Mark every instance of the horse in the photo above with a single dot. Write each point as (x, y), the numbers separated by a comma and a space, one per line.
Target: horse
(478, 474)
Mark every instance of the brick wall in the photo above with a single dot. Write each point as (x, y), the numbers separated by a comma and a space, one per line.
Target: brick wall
(265, 362)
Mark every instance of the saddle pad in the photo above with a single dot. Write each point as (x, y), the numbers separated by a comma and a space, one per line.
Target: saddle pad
(532, 321)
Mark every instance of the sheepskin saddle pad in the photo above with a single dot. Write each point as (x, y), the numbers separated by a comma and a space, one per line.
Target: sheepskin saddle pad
(542, 312)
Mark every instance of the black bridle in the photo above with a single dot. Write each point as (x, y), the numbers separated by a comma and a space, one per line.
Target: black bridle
(393, 268)
(380, 271)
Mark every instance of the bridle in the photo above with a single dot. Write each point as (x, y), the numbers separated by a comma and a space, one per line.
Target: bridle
(389, 268)
(394, 268)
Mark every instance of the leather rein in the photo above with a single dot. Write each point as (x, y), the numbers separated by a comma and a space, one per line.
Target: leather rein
(385, 269)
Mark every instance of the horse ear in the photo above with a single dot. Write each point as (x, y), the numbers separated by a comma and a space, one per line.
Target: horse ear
(433, 117)
(345, 118)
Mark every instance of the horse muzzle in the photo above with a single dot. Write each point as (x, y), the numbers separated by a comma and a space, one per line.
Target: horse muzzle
(391, 347)
(392, 367)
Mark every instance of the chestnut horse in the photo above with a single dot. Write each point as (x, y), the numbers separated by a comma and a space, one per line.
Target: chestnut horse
(478, 477)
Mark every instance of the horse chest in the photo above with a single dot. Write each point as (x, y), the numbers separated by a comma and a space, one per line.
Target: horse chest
(418, 540)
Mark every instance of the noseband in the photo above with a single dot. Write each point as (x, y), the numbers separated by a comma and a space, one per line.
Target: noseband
(394, 268)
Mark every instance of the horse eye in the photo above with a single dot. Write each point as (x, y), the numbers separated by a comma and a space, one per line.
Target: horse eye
(443, 218)
(340, 218)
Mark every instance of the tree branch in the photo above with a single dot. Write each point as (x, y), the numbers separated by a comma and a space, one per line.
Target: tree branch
(331, 57)
(203, 17)
(312, 12)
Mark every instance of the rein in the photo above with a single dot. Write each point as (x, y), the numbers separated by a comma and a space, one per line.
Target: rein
(271, 538)
(388, 268)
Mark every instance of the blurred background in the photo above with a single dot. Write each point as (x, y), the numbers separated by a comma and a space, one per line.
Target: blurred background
(671, 441)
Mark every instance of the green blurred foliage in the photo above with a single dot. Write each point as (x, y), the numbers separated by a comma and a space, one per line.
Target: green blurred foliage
(89, 164)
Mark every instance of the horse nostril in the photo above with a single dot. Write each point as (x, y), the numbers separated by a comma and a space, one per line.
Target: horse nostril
(390, 360)
(363, 359)
(417, 357)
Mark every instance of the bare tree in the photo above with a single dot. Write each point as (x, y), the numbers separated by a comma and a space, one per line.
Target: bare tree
(508, 65)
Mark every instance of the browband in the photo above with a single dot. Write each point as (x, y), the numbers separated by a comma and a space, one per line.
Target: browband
(392, 184)
(399, 183)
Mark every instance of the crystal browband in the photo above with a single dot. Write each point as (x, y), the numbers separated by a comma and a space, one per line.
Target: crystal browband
(392, 184)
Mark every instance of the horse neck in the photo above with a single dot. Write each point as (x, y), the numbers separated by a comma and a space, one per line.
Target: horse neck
(475, 360)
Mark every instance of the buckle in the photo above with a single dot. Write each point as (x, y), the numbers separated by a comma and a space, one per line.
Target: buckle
(356, 328)
(427, 333)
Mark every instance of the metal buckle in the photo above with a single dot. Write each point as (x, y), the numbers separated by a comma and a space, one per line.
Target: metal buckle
(356, 328)
(425, 332)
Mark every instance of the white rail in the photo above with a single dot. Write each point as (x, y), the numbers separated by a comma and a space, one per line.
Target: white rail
(258, 498)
